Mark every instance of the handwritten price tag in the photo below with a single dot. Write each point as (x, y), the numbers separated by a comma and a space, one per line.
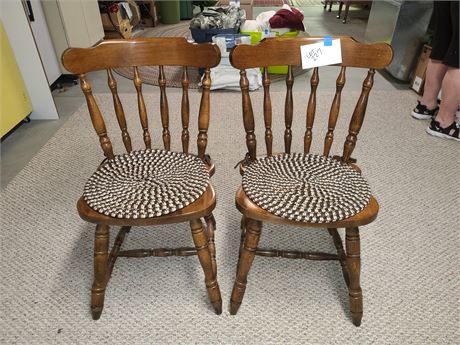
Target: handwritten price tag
(319, 54)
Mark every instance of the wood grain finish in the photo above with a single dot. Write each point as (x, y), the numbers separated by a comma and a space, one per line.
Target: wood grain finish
(96, 118)
(116, 248)
(274, 52)
(203, 116)
(101, 260)
(251, 239)
(160, 252)
(341, 254)
(142, 110)
(210, 229)
(288, 111)
(354, 268)
(281, 51)
(164, 109)
(248, 116)
(311, 110)
(295, 254)
(136, 53)
(334, 113)
(267, 112)
(358, 117)
(185, 111)
(201, 245)
(166, 51)
(119, 111)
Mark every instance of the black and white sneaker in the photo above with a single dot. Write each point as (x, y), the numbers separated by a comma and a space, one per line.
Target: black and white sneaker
(421, 112)
(450, 132)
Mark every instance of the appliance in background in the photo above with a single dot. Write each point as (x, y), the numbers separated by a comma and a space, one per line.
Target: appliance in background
(37, 22)
(402, 24)
(75, 23)
(15, 102)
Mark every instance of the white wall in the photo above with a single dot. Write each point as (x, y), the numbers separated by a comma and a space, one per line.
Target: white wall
(22, 42)
(44, 44)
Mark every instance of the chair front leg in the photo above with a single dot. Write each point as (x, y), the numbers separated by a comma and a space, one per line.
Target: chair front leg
(246, 257)
(201, 244)
(101, 261)
(354, 267)
(211, 227)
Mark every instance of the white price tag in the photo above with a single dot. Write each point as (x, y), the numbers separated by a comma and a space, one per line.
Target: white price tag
(319, 54)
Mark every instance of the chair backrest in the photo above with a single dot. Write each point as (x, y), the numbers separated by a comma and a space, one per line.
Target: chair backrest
(145, 52)
(282, 51)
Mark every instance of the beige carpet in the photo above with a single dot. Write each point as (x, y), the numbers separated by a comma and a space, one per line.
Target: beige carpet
(410, 256)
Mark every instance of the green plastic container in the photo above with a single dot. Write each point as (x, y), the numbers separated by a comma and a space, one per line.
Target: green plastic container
(186, 9)
(169, 11)
(256, 37)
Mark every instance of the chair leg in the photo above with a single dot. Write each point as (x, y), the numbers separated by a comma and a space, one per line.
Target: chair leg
(243, 234)
(354, 267)
(202, 247)
(211, 227)
(330, 6)
(101, 260)
(340, 9)
(345, 16)
(341, 253)
(251, 239)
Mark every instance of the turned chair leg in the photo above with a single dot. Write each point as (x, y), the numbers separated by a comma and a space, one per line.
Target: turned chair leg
(354, 267)
(201, 244)
(243, 234)
(101, 260)
(210, 228)
(251, 239)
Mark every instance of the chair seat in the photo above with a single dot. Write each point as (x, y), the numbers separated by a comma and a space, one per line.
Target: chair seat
(146, 184)
(304, 188)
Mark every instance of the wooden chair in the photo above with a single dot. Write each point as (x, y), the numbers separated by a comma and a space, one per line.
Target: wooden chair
(287, 52)
(135, 53)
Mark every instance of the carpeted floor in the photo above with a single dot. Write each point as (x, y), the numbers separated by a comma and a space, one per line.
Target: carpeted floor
(410, 254)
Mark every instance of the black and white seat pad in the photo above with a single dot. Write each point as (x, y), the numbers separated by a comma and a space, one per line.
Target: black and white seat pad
(146, 183)
(306, 187)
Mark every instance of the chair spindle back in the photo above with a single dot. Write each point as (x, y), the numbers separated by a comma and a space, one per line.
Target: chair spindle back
(136, 53)
(276, 51)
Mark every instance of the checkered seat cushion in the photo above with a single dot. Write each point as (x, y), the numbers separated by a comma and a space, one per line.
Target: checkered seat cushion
(306, 187)
(146, 184)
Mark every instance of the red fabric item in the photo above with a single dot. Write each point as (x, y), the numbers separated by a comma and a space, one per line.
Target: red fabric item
(287, 19)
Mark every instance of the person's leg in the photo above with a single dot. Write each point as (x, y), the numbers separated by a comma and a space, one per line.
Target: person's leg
(444, 125)
(450, 97)
(435, 72)
(427, 107)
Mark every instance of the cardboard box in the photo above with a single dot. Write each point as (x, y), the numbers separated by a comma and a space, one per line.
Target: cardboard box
(418, 79)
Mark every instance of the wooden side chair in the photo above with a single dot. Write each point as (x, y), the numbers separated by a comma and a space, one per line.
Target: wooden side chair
(148, 186)
(304, 189)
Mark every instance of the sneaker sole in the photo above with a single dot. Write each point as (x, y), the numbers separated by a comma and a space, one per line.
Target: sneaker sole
(440, 135)
(419, 116)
